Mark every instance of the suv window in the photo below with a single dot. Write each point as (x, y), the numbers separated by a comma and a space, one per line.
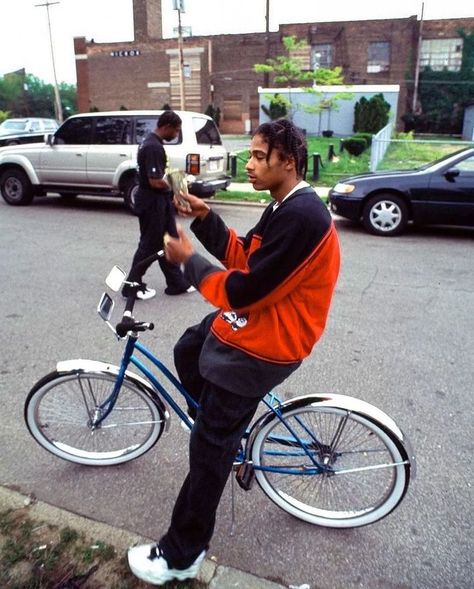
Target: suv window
(112, 131)
(75, 132)
(206, 132)
(144, 126)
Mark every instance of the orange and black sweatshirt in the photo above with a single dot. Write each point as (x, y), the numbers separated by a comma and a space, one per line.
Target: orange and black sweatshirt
(273, 294)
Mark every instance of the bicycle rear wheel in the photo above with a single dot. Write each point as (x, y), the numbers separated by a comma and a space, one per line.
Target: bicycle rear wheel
(59, 409)
(364, 475)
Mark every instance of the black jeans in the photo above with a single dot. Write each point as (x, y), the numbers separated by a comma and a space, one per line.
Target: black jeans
(155, 218)
(220, 424)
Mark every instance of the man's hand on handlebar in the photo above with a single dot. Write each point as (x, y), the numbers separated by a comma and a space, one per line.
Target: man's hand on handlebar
(198, 208)
(178, 250)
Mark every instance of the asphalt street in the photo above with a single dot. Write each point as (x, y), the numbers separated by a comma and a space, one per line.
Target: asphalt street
(400, 336)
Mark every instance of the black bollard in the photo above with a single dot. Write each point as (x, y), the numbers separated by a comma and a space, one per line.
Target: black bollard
(233, 164)
(316, 163)
(331, 153)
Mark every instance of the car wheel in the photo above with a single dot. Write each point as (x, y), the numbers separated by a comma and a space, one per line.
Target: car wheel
(129, 191)
(16, 188)
(385, 214)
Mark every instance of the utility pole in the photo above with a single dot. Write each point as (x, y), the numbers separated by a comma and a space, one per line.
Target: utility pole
(57, 100)
(417, 66)
(179, 6)
(266, 75)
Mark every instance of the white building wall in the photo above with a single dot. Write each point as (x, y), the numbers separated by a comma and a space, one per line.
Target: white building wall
(342, 120)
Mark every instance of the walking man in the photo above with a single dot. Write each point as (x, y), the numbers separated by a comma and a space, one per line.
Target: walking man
(273, 297)
(155, 209)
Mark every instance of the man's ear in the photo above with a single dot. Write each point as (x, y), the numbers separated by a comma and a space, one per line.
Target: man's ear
(290, 163)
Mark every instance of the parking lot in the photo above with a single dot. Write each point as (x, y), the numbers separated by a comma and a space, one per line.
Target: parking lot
(400, 336)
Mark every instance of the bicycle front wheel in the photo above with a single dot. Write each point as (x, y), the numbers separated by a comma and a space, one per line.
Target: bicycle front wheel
(59, 412)
(335, 468)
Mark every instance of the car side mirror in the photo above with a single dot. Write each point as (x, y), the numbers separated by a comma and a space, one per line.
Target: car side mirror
(49, 139)
(451, 174)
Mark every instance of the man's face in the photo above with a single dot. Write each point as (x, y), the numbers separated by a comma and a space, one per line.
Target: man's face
(169, 132)
(267, 175)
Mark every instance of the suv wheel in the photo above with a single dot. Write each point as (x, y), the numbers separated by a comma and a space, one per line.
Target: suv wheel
(129, 191)
(16, 188)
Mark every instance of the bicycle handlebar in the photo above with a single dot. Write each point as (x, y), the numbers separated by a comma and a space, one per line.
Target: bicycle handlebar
(129, 324)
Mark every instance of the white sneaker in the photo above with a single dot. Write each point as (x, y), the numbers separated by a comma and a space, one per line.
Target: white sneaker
(145, 293)
(191, 289)
(148, 564)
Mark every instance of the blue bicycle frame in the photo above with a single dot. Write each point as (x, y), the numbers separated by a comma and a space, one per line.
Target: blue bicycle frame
(306, 448)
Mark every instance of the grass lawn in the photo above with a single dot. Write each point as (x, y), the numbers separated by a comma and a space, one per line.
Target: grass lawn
(401, 155)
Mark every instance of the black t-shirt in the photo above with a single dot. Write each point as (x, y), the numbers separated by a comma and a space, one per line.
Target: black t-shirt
(152, 163)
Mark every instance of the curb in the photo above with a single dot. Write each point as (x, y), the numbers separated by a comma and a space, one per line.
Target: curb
(215, 576)
(238, 187)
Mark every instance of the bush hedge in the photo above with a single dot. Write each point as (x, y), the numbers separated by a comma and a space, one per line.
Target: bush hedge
(355, 145)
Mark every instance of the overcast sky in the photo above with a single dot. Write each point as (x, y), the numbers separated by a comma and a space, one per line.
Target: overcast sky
(24, 36)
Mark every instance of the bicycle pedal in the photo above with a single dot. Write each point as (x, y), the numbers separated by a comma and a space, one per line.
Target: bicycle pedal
(245, 475)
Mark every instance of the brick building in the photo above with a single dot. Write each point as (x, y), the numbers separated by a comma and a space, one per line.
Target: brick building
(218, 69)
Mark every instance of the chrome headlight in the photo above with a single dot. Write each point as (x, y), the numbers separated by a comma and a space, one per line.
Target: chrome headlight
(344, 188)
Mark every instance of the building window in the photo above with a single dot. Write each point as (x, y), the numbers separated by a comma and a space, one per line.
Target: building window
(440, 54)
(379, 57)
(321, 56)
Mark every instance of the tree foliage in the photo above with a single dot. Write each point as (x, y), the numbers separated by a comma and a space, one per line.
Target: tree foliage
(371, 115)
(288, 70)
(444, 94)
(26, 95)
(278, 107)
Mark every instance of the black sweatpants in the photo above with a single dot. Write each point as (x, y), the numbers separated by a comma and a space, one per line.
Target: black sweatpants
(156, 217)
(221, 421)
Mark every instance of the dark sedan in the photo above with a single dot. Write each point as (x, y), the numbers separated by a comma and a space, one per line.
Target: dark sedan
(439, 193)
(17, 139)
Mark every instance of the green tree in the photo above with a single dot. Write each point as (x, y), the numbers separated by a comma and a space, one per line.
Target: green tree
(26, 95)
(278, 107)
(371, 115)
(443, 95)
(288, 70)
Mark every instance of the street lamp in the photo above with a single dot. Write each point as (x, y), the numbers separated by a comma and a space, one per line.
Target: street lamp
(57, 100)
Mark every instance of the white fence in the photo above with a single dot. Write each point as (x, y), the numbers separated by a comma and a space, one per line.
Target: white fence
(380, 143)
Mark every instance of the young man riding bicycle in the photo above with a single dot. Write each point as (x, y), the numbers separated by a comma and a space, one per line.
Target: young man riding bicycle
(273, 298)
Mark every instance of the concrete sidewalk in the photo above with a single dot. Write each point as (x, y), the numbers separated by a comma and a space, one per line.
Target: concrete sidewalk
(212, 574)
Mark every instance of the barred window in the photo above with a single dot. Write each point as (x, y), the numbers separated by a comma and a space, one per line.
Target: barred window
(321, 56)
(379, 57)
(440, 54)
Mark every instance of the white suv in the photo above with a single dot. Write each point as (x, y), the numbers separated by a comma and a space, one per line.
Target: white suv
(96, 154)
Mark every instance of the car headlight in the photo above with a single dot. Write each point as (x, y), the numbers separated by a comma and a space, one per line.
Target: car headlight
(344, 188)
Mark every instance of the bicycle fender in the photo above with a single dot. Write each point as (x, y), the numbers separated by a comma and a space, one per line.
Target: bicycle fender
(98, 367)
(347, 403)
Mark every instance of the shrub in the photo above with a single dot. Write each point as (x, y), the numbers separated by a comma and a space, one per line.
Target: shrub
(277, 109)
(366, 136)
(214, 112)
(355, 145)
(371, 115)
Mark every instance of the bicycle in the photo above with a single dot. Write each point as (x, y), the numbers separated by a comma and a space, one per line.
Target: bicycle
(327, 459)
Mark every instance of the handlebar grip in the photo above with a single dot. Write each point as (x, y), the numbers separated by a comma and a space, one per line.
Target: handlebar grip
(129, 324)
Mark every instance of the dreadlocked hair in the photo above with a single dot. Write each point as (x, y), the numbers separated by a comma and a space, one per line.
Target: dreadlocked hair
(288, 140)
